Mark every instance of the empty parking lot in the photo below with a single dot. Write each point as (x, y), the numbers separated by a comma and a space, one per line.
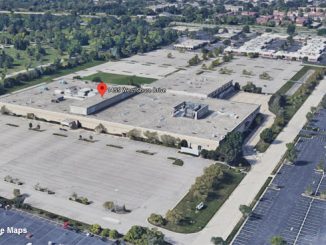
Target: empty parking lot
(280, 72)
(145, 183)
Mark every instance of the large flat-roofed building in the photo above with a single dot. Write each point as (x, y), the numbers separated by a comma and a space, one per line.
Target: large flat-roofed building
(95, 104)
(153, 112)
(311, 48)
(191, 44)
(191, 84)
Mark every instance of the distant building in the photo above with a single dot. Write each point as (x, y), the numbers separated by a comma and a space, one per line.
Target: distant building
(233, 8)
(263, 20)
(249, 13)
(300, 21)
(191, 44)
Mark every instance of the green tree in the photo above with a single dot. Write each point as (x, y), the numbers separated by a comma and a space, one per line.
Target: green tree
(114, 234)
(108, 205)
(183, 143)
(139, 235)
(194, 60)
(276, 103)
(230, 147)
(309, 116)
(173, 216)
(267, 135)
(218, 241)
(245, 210)
(156, 219)
(95, 229)
(291, 153)
(290, 29)
(278, 240)
(246, 29)
(105, 233)
(96, 79)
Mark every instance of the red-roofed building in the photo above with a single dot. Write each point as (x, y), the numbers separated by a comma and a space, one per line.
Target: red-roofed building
(263, 20)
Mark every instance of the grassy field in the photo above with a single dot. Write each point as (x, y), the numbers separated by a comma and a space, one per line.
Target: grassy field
(301, 73)
(119, 79)
(49, 78)
(199, 219)
(287, 86)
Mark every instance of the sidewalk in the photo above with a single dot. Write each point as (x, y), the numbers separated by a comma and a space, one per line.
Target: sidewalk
(222, 224)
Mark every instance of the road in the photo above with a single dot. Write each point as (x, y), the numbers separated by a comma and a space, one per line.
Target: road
(23, 71)
(228, 215)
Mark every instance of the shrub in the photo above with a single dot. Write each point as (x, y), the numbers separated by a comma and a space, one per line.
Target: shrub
(114, 234)
(100, 129)
(168, 140)
(178, 162)
(108, 205)
(16, 192)
(277, 240)
(95, 229)
(267, 135)
(139, 235)
(156, 219)
(4, 110)
(245, 210)
(173, 216)
(323, 194)
(105, 233)
(251, 88)
(183, 143)
(265, 76)
(134, 134)
(218, 241)
(97, 79)
(308, 190)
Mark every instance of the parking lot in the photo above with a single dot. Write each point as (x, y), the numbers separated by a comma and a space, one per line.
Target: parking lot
(40, 231)
(280, 72)
(155, 64)
(108, 169)
(283, 210)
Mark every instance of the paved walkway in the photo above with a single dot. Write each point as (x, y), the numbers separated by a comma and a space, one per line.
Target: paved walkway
(228, 215)
(24, 71)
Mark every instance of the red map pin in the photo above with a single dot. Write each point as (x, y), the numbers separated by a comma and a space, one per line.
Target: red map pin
(102, 88)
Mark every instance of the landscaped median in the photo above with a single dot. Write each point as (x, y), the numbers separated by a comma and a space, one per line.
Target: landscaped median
(285, 106)
(211, 190)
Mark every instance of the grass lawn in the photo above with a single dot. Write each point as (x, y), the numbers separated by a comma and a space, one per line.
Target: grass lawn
(287, 86)
(301, 73)
(25, 60)
(49, 78)
(199, 219)
(119, 79)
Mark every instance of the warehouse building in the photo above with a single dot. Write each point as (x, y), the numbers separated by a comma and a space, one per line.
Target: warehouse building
(191, 44)
(191, 84)
(96, 104)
